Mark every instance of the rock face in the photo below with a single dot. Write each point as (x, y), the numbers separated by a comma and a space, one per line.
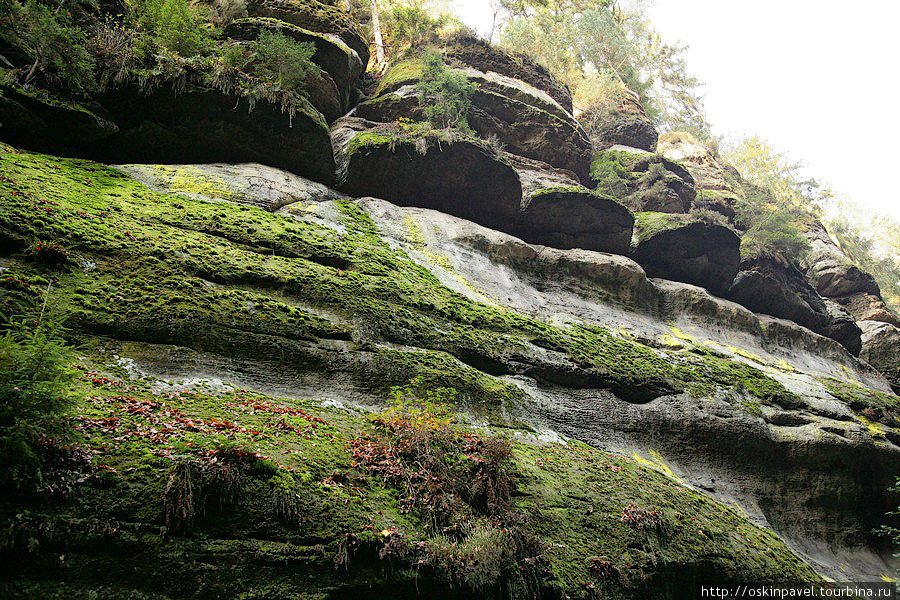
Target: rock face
(525, 119)
(184, 111)
(682, 248)
(715, 181)
(643, 181)
(557, 211)
(881, 349)
(626, 125)
(471, 51)
(39, 123)
(769, 286)
(654, 400)
(835, 276)
(463, 177)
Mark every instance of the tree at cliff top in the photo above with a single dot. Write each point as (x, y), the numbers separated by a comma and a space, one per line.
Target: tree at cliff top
(873, 242)
(605, 52)
(785, 198)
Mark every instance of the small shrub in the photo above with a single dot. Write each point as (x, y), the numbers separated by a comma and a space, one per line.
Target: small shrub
(445, 96)
(645, 519)
(413, 26)
(280, 59)
(218, 480)
(49, 254)
(175, 26)
(114, 47)
(709, 216)
(478, 562)
(34, 381)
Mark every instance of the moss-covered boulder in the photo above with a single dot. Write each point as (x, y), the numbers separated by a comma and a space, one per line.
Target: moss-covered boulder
(643, 181)
(557, 211)
(315, 16)
(881, 349)
(34, 120)
(768, 285)
(526, 120)
(447, 171)
(625, 124)
(342, 64)
(684, 248)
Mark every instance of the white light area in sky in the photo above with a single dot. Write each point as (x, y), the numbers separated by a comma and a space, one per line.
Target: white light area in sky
(818, 79)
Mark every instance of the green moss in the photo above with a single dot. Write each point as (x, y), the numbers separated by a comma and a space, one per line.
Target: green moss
(648, 224)
(611, 171)
(873, 405)
(405, 70)
(219, 277)
(558, 190)
(108, 535)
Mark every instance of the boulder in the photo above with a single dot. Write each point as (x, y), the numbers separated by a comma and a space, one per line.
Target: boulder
(557, 211)
(683, 248)
(314, 16)
(459, 175)
(881, 349)
(526, 120)
(342, 64)
(625, 124)
(643, 181)
(204, 125)
(471, 51)
(37, 122)
(248, 183)
(767, 285)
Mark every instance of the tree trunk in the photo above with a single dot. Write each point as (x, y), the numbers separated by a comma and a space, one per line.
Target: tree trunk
(379, 42)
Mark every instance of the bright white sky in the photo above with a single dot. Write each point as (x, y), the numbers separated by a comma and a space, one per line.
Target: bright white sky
(816, 78)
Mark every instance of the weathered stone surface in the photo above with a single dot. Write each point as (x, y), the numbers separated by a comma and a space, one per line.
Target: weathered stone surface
(625, 125)
(557, 211)
(768, 286)
(315, 16)
(253, 184)
(643, 181)
(683, 248)
(462, 177)
(881, 349)
(52, 126)
(342, 64)
(526, 120)
(474, 52)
